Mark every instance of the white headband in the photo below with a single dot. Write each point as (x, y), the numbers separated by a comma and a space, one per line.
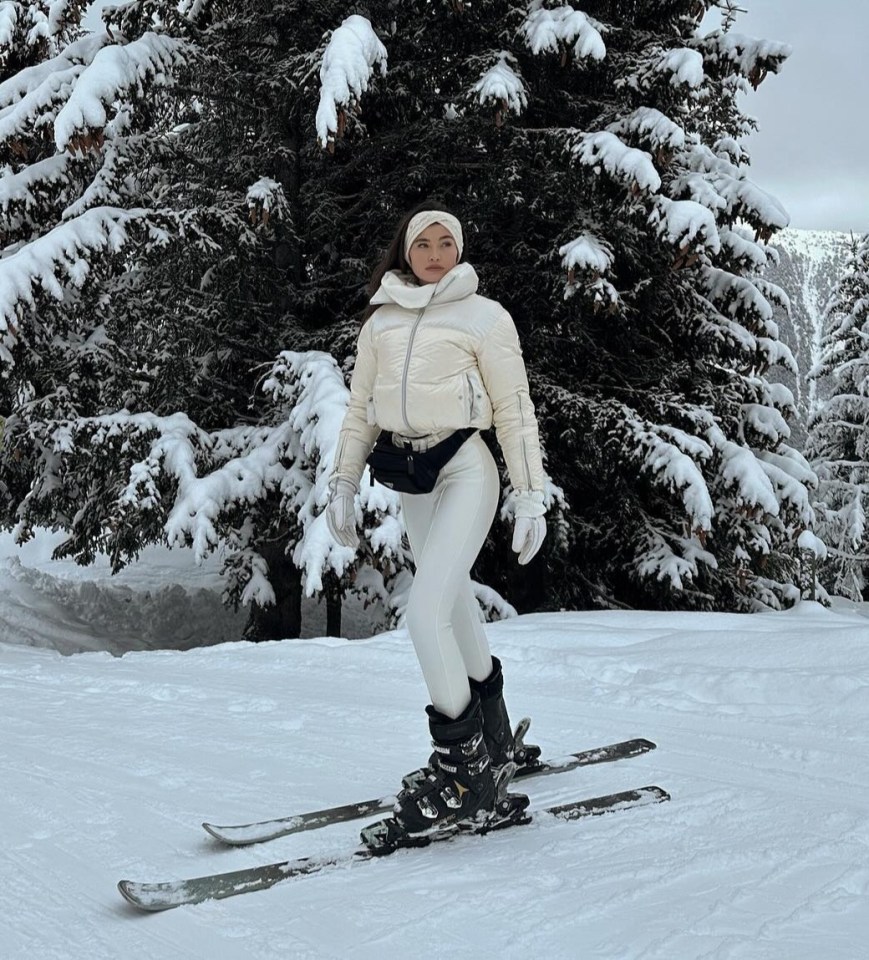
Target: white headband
(425, 219)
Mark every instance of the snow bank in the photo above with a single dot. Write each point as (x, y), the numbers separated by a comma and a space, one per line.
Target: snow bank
(109, 764)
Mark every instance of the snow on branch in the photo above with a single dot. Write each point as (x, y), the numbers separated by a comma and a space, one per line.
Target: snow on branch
(587, 253)
(793, 477)
(751, 57)
(789, 490)
(658, 559)
(631, 167)
(684, 66)
(9, 13)
(650, 127)
(736, 295)
(57, 257)
(743, 308)
(114, 74)
(349, 60)
(765, 421)
(687, 225)
(61, 12)
(548, 31)
(177, 445)
(241, 480)
(592, 257)
(177, 439)
(312, 385)
(668, 455)
(740, 248)
(720, 185)
(742, 471)
(678, 67)
(25, 189)
(759, 208)
(23, 117)
(24, 91)
(774, 294)
(503, 87)
(808, 541)
(103, 188)
(265, 199)
(193, 9)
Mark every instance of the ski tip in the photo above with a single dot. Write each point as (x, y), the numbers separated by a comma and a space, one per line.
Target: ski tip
(128, 892)
(149, 896)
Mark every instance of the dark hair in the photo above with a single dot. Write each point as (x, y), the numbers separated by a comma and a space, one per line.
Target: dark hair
(394, 258)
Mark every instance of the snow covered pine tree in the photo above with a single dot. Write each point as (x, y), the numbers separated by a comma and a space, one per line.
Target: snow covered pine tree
(603, 144)
(838, 441)
(180, 236)
(76, 109)
(597, 158)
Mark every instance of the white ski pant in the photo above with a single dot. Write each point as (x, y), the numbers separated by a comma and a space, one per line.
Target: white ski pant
(447, 529)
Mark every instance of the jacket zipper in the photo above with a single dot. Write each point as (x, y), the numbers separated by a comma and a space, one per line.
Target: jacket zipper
(406, 366)
(524, 450)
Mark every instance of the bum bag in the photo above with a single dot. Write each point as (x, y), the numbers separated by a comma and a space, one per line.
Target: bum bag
(406, 470)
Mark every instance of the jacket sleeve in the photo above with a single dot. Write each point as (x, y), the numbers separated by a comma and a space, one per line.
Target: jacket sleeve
(502, 368)
(357, 436)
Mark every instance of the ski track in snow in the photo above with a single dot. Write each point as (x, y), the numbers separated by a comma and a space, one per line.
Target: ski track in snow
(110, 763)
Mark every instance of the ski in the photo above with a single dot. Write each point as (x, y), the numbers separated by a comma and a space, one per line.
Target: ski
(245, 834)
(153, 897)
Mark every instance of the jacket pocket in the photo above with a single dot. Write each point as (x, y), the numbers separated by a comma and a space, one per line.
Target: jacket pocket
(479, 405)
(470, 397)
(371, 412)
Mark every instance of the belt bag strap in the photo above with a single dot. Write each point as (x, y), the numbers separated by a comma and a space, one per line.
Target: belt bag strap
(441, 453)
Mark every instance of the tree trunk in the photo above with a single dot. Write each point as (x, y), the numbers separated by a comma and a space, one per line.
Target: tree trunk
(333, 593)
(283, 619)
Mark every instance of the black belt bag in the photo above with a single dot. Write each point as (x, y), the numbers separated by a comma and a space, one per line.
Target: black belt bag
(406, 470)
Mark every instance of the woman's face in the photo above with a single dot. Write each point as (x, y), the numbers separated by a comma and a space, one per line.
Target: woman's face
(433, 254)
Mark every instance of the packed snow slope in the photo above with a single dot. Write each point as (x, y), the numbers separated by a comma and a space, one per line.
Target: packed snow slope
(110, 763)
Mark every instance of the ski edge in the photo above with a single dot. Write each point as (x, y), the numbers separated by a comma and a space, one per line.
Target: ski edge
(146, 896)
(285, 826)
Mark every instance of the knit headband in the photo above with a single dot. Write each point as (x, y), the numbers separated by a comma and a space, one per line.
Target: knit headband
(425, 219)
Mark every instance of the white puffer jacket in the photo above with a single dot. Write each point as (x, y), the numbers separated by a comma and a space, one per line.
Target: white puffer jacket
(439, 357)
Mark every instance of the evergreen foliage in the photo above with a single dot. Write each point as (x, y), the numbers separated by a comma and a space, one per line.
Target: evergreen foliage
(838, 441)
(79, 113)
(226, 197)
(597, 159)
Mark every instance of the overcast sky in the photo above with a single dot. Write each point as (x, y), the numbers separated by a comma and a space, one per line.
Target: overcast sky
(812, 149)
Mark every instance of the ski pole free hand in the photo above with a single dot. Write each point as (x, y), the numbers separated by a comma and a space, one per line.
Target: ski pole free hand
(528, 535)
(341, 514)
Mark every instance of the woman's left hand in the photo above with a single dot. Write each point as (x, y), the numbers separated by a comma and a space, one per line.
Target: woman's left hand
(528, 534)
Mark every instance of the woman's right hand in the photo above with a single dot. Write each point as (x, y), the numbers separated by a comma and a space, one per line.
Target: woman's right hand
(341, 513)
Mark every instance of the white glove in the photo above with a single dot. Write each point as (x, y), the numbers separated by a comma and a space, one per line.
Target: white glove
(528, 534)
(341, 513)
(529, 528)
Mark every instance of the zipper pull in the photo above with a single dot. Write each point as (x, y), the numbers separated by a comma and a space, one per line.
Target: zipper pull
(410, 465)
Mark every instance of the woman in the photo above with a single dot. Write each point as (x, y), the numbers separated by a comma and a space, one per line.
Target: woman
(434, 356)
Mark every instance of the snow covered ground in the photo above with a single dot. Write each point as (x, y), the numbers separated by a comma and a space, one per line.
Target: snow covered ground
(109, 764)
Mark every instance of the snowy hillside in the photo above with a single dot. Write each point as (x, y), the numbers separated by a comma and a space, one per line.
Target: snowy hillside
(811, 261)
(110, 763)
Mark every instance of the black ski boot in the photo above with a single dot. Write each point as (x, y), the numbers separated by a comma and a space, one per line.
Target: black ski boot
(459, 790)
(502, 743)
